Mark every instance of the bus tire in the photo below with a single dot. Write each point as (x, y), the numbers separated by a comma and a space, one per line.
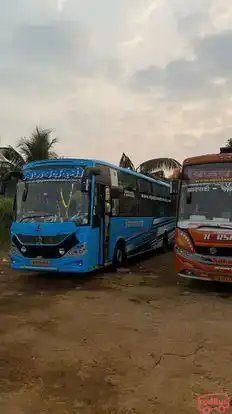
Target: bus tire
(165, 247)
(119, 254)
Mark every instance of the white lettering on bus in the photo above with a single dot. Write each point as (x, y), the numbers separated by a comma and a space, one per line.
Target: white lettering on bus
(219, 237)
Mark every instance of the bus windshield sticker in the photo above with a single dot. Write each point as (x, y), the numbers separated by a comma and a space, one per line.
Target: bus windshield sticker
(64, 173)
(207, 175)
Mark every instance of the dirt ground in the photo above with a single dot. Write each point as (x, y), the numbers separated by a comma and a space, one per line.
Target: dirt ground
(116, 343)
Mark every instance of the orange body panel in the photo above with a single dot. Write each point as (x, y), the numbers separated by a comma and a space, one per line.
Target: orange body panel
(204, 253)
(205, 159)
(203, 261)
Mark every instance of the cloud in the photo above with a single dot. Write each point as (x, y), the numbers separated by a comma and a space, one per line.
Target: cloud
(208, 75)
(214, 52)
(149, 78)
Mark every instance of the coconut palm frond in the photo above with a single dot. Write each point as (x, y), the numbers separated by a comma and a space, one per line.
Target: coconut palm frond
(157, 164)
(125, 162)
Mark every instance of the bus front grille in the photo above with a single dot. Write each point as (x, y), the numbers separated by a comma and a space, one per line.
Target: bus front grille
(38, 240)
(46, 251)
(214, 251)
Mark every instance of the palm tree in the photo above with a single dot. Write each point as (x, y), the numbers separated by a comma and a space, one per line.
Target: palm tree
(153, 167)
(229, 143)
(125, 162)
(37, 147)
(13, 158)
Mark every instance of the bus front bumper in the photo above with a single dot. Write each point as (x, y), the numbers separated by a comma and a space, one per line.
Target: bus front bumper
(195, 266)
(62, 265)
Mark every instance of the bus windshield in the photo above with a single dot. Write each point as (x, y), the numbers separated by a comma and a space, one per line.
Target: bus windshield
(206, 192)
(52, 201)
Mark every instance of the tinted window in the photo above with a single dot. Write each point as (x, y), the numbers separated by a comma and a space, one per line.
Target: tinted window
(144, 186)
(145, 207)
(128, 205)
(160, 190)
(127, 181)
(155, 188)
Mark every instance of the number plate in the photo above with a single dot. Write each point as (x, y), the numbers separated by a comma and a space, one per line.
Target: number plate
(224, 278)
(40, 262)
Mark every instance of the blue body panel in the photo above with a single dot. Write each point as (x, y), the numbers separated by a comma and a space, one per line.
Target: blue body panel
(81, 258)
(139, 233)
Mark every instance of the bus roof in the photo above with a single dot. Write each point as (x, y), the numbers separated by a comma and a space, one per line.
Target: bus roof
(208, 158)
(89, 163)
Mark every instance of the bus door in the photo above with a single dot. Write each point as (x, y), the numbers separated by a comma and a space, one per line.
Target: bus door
(102, 220)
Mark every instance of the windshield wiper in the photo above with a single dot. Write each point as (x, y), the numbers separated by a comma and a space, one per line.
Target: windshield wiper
(36, 216)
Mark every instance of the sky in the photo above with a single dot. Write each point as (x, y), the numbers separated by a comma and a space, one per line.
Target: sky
(148, 78)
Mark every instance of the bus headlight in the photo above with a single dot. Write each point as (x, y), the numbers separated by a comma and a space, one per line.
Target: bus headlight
(183, 241)
(79, 250)
(14, 251)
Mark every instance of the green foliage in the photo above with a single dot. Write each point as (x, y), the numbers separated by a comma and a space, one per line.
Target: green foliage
(39, 146)
(125, 162)
(229, 143)
(153, 168)
(6, 208)
(155, 164)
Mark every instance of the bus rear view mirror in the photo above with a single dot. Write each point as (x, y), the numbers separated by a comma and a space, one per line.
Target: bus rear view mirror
(85, 185)
(25, 192)
(174, 187)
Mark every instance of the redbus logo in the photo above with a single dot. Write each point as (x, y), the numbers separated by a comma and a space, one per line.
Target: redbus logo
(213, 403)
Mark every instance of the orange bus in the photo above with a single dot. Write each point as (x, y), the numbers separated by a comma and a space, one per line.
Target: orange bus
(203, 242)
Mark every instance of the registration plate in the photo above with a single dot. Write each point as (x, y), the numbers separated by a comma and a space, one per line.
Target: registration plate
(40, 262)
(224, 278)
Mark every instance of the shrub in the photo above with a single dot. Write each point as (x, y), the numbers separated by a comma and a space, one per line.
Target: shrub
(6, 207)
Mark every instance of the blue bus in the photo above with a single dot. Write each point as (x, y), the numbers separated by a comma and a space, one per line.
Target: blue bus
(77, 215)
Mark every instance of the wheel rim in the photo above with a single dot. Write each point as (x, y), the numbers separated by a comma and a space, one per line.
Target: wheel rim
(119, 255)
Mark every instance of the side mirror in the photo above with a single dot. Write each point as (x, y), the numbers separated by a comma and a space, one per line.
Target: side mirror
(25, 192)
(89, 171)
(84, 185)
(174, 187)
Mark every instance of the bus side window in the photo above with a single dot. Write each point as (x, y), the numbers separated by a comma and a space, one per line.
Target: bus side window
(145, 207)
(162, 209)
(155, 207)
